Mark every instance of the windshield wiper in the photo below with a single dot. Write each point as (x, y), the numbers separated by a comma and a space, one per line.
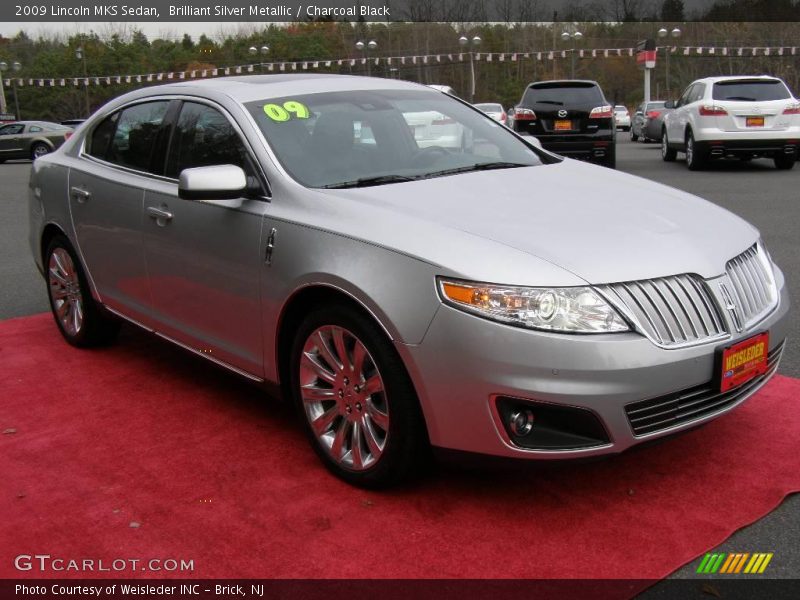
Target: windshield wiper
(743, 98)
(369, 181)
(556, 102)
(476, 167)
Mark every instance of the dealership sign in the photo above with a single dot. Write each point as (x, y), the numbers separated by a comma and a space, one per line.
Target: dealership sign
(646, 54)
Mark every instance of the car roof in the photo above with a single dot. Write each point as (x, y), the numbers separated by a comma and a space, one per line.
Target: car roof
(721, 78)
(248, 88)
(564, 81)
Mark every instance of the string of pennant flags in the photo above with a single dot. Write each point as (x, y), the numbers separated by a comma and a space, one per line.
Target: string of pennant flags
(425, 59)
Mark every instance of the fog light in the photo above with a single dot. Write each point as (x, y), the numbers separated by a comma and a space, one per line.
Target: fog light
(521, 422)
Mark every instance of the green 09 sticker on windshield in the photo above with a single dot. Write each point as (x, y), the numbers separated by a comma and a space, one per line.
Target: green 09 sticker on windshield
(291, 109)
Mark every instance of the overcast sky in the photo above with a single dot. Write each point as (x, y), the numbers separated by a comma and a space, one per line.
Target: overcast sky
(151, 30)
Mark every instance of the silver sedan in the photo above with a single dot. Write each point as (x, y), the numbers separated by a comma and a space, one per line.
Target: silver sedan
(409, 272)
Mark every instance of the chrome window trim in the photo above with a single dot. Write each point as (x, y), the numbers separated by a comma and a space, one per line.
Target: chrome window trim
(82, 154)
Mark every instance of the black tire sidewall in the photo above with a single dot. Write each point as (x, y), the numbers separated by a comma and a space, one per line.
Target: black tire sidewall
(407, 438)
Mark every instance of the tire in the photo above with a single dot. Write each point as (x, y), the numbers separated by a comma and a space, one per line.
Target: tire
(39, 149)
(784, 162)
(634, 137)
(610, 159)
(364, 422)
(695, 158)
(667, 153)
(81, 321)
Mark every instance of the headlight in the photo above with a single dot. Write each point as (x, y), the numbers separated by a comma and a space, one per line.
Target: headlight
(570, 310)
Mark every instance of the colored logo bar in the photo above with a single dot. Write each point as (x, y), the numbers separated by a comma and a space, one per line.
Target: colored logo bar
(735, 562)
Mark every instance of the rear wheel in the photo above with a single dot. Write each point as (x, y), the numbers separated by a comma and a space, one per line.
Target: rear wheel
(80, 319)
(356, 399)
(695, 159)
(667, 153)
(39, 149)
(610, 159)
(634, 137)
(785, 162)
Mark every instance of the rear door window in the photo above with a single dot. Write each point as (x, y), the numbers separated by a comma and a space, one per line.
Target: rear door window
(136, 135)
(751, 91)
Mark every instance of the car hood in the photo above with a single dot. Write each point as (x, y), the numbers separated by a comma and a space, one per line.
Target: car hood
(601, 225)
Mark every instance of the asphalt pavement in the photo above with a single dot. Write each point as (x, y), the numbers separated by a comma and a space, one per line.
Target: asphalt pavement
(758, 192)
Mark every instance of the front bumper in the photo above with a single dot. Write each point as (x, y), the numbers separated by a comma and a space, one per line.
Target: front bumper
(465, 363)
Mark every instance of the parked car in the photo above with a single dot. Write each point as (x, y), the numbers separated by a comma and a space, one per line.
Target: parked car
(622, 118)
(744, 117)
(494, 298)
(31, 139)
(654, 123)
(494, 110)
(570, 117)
(644, 113)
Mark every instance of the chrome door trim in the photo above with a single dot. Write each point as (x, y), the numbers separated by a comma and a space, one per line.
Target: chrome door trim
(194, 351)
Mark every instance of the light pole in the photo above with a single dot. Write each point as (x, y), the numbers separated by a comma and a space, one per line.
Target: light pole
(662, 33)
(464, 42)
(263, 51)
(80, 54)
(365, 49)
(15, 66)
(577, 36)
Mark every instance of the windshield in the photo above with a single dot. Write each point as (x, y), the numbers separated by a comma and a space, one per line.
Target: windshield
(489, 107)
(654, 106)
(377, 137)
(751, 91)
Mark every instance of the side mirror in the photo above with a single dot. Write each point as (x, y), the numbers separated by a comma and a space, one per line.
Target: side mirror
(218, 182)
(670, 104)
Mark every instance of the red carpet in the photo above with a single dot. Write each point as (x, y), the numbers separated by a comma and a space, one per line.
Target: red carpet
(214, 472)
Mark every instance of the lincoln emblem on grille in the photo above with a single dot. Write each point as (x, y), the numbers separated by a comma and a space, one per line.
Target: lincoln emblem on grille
(730, 306)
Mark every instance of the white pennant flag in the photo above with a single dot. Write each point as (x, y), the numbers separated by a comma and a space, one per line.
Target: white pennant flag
(594, 53)
(630, 51)
(502, 58)
(563, 54)
(315, 64)
(270, 67)
(767, 51)
(327, 63)
(61, 82)
(489, 57)
(513, 58)
(699, 50)
(725, 52)
(712, 50)
(605, 53)
(550, 55)
(740, 52)
(686, 51)
(780, 51)
(294, 66)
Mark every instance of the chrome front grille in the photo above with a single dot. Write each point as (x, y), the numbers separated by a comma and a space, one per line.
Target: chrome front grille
(751, 285)
(672, 311)
(656, 414)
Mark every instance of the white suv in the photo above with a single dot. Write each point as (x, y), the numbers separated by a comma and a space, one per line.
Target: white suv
(745, 116)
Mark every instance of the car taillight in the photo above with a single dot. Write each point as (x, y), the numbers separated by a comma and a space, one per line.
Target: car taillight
(652, 114)
(67, 135)
(524, 114)
(601, 112)
(712, 110)
(792, 109)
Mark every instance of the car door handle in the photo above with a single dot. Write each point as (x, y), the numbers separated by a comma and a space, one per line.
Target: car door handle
(159, 214)
(80, 194)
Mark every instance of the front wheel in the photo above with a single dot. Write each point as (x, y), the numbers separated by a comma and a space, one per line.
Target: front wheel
(79, 318)
(356, 399)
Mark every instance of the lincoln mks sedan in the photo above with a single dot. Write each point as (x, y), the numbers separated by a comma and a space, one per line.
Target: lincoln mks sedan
(411, 274)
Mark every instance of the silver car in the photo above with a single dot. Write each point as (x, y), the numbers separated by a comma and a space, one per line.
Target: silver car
(488, 298)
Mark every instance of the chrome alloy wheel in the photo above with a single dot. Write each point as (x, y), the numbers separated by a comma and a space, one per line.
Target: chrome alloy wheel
(65, 291)
(40, 150)
(344, 398)
(689, 149)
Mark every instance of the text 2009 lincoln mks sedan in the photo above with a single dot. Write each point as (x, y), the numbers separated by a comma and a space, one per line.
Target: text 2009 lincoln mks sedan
(445, 284)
